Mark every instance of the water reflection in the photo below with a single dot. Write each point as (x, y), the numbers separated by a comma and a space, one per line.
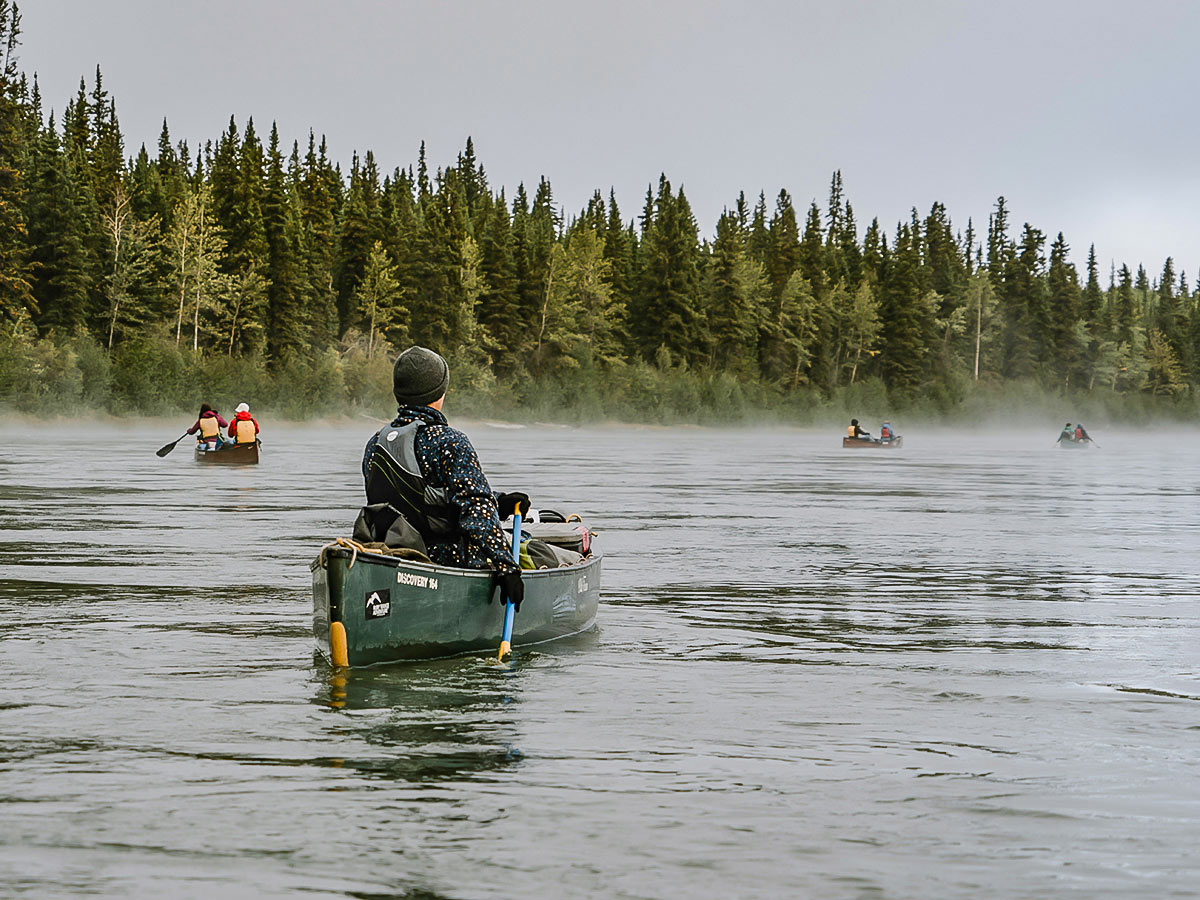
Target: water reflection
(441, 721)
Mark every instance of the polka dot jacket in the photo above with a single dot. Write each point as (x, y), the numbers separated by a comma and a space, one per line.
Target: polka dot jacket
(449, 461)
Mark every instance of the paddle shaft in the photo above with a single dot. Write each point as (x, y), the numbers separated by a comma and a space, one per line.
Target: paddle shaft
(167, 448)
(510, 610)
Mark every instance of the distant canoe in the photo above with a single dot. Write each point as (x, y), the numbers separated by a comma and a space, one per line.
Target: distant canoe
(873, 443)
(228, 453)
(391, 609)
(1072, 444)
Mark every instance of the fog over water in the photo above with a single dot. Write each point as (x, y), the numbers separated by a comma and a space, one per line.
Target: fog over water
(965, 668)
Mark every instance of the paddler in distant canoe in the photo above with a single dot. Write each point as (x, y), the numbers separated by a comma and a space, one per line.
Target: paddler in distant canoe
(244, 427)
(422, 475)
(209, 424)
(1067, 434)
(855, 432)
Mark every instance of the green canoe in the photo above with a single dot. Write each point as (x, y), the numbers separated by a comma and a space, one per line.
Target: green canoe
(394, 609)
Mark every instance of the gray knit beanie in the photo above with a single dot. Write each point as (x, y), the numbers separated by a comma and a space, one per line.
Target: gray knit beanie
(420, 377)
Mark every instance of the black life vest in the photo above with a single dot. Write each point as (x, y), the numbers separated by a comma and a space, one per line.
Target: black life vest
(394, 477)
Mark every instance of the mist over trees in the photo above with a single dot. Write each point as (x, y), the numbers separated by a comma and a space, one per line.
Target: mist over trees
(149, 279)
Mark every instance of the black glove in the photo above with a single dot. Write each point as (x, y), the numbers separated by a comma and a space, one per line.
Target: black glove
(512, 589)
(508, 504)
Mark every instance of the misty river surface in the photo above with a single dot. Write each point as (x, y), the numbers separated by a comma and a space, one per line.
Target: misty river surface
(966, 668)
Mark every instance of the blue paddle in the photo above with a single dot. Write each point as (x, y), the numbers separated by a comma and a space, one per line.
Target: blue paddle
(510, 611)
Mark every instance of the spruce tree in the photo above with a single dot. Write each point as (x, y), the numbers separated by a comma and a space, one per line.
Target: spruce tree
(359, 229)
(534, 229)
(497, 310)
(1125, 309)
(60, 274)
(16, 296)
(1169, 317)
(783, 245)
(439, 304)
(673, 324)
(620, 251)
(106, 148)
(905, 315)
(286, 332)
(735, 288)
(780, 262)
(758, 240)
(836, 263)
(1064, 300)
(320, 197)
(813, 261)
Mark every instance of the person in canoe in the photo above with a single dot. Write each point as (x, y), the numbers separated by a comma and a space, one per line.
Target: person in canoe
(885, 432)
(421, 470)
(1067, 434)
(855, 432)
(1081, 433)
(244, 428)
(209, 424)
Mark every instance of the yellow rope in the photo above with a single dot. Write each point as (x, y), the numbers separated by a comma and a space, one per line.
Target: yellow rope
(346, 543)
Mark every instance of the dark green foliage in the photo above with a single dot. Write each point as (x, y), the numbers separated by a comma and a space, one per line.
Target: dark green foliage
(60, 276)
(734, 288)
(146, 283)
(497, 310)
(360, 226)
(672, 323)
(286, 328)
(16, 295)
(906, 315)
(1063, 297)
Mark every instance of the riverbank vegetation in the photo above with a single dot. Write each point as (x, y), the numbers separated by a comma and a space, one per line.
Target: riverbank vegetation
(253, 269)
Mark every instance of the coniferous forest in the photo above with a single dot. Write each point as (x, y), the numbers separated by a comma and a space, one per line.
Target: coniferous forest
(255, 267)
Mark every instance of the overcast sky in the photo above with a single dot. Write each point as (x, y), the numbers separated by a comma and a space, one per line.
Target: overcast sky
(1083, 114)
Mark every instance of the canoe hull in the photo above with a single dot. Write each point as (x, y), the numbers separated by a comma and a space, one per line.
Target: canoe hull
(229, 453)
(1074, 445)
(856, 444)
(395, 610)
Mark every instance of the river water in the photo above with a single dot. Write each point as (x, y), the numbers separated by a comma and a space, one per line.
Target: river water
(967, 668)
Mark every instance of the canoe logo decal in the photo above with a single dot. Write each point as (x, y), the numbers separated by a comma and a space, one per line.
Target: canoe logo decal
(379, 604)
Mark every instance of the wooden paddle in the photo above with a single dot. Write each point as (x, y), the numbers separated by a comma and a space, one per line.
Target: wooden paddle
(510, 610)
(167, 448)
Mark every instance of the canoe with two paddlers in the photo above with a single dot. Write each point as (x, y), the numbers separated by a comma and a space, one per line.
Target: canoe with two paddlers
(227, 453)
(372, 607)
(872, 443)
